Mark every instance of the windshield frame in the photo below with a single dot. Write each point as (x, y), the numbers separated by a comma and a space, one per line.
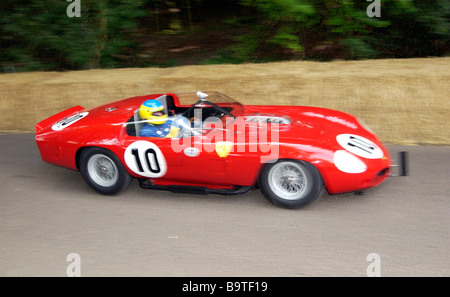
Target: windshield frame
(215, 99)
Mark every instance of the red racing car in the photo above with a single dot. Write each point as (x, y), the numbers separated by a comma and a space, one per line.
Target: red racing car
(216, 145)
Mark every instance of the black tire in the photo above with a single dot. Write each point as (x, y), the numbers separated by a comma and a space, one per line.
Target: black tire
(290, 183)
(103, 172)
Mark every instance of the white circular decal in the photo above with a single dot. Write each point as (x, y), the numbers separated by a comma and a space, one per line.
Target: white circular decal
(68, 121)
(146, 159)
(348, 163)
(191, 151)
(360, 146)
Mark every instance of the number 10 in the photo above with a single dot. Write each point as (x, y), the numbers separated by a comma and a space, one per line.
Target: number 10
(152, 162)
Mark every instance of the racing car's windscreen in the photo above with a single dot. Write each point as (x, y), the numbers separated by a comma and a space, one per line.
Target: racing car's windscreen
(217, 98)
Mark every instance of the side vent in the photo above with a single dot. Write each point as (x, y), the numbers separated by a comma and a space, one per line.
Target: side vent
(268, 119)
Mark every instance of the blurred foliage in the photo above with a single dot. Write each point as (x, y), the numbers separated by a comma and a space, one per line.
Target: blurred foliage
(38, 34)
(341, 29)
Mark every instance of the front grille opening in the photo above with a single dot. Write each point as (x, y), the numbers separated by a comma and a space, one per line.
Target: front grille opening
(383, 172)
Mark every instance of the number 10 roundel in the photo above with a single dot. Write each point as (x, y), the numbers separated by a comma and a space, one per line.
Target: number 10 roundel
(145, 159)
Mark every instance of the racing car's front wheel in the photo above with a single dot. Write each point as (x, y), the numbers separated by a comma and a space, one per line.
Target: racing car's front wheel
(290, 183)
(103, 171)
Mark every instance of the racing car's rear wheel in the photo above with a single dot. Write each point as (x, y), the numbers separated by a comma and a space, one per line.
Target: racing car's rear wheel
(290, 183)
(103, 171)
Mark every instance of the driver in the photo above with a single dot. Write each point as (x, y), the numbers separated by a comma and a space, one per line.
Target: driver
(157, 123)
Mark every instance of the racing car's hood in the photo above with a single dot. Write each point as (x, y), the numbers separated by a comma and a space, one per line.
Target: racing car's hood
(304, 122)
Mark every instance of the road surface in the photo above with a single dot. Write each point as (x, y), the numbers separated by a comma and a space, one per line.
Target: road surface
(48, 213)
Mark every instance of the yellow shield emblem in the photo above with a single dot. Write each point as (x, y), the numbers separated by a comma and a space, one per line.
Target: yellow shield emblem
(223, 148)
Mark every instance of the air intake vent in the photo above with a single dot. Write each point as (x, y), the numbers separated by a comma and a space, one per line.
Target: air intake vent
(268, 119)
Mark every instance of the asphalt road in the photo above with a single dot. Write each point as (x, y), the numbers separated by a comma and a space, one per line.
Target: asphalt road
(48, 213)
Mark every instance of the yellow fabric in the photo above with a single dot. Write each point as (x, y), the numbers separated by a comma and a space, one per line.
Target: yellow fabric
(173, 132)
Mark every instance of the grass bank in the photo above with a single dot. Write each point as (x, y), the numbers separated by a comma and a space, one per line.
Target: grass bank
(405, 101)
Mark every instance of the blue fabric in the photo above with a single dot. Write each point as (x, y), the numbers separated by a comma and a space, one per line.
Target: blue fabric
(181, 122)
(150, 130)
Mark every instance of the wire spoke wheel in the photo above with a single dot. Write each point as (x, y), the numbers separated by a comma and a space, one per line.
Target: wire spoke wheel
(102, 170)
(290, 183)
(288, 180)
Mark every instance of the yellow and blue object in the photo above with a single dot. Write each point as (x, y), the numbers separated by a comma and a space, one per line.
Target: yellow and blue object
(158, 125)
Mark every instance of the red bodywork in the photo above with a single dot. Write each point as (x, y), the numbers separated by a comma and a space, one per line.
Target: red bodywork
(311, 136)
